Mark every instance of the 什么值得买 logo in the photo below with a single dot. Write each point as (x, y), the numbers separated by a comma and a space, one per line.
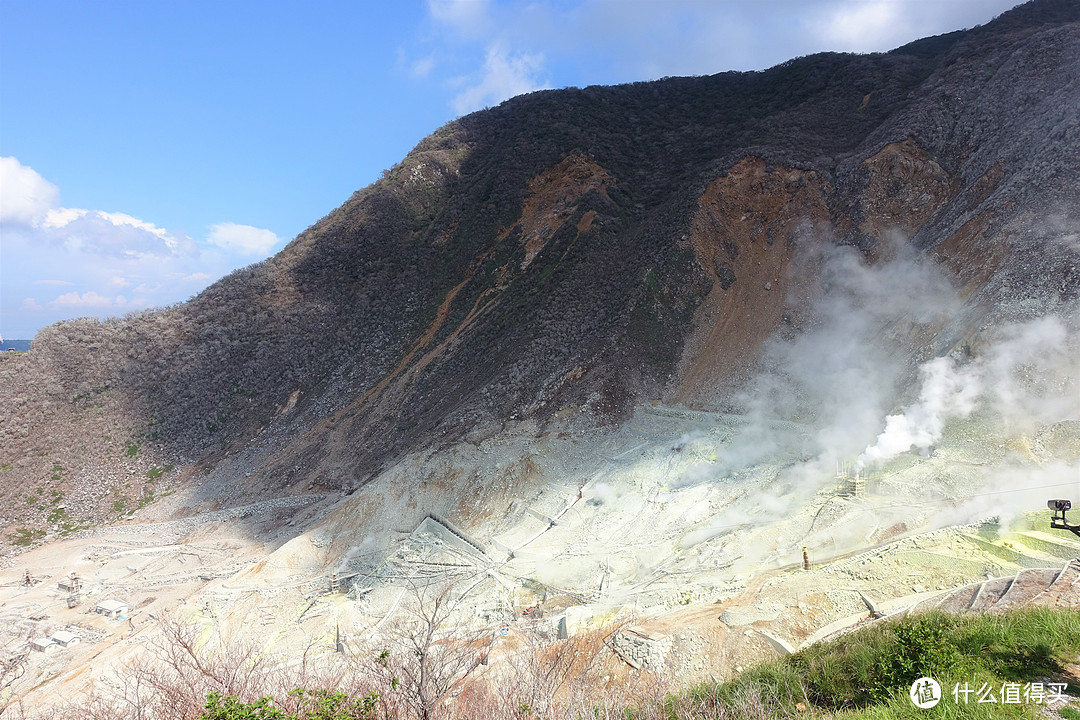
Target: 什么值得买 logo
(925, 693)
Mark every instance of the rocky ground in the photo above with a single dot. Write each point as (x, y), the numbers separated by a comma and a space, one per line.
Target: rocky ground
(628, 530)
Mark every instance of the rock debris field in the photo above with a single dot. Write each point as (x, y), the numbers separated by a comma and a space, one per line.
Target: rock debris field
(691, 568)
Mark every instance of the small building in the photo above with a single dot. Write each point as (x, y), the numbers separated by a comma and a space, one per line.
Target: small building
(65, 639)
(111, 608)
(69, 584)
(42, 644)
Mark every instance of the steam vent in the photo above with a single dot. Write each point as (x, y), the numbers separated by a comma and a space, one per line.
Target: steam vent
(612, 389)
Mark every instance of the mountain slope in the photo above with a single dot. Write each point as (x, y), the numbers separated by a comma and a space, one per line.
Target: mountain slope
(548, 265)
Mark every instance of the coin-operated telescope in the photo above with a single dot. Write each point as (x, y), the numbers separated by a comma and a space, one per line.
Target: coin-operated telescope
(1058, 521)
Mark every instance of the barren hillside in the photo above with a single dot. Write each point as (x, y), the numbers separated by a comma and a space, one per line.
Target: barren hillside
(630, 346)
(556, 260)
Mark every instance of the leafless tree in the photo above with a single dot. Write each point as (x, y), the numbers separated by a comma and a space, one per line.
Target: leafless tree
(12, 669)
(544, 674)
(427, 658)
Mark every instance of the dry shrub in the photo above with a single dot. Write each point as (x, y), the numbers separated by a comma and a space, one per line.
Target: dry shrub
(426, 669)
(171, 680)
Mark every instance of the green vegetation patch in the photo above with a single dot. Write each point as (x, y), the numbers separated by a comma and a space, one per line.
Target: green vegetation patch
(868, 673)
(155, 472)
(1069, 713)
(310, 705)
(147, 498)
(25, 537)
(131, 449)
(68, 528)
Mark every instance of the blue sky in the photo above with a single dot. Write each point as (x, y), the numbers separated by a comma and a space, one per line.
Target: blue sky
(148, 148)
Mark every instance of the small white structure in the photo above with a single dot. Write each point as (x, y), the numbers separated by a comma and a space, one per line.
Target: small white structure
(111, 608)
(42, 644)
(65, 639)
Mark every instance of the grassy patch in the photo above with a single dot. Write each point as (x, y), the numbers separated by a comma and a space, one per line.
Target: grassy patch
(69, 527)
(5, 468)
(155, 472)
(131, 449)
(56, 515)
(147, 498)
(25, 537)
(310, 705)
(868, 674)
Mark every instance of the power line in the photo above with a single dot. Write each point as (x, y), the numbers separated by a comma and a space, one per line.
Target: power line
(978, 495)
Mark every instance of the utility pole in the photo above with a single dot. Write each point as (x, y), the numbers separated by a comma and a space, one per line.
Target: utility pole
(75, 589)
(339, 639)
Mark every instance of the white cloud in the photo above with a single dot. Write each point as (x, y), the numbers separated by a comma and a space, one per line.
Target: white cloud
(122, 219)
(865, 26)
(29, 200)
(59, 217)
(88, 300)
(468, 19)
(147, 288)
(503, 76)
(608, 41)
(422, 68)
(87, 257)
(242, 239)
(112, 234)
(25, 196)
(649, 39)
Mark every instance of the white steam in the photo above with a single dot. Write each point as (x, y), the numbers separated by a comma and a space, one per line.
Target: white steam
(947, 392)
(829, 386)
(1010, 489)
(1026, 377)
(1033, 370)
(821, 393)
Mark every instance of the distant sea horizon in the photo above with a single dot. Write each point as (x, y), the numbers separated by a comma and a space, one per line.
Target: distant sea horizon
(6, 344)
